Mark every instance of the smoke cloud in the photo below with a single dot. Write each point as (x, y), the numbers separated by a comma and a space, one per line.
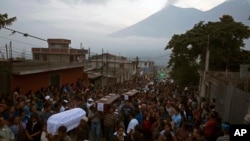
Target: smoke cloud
(86, 1)
(171, 2)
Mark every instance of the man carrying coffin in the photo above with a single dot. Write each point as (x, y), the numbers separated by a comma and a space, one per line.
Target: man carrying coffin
(109, 122)
(82, 131)
(95, 119)
(126, 111)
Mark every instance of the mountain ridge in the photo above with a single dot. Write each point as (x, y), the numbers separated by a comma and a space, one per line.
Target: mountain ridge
(175, 20)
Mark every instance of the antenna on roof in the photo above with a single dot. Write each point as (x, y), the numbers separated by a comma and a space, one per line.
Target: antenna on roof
(2, 55)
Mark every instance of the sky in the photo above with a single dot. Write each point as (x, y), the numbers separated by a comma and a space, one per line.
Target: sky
(89, 22)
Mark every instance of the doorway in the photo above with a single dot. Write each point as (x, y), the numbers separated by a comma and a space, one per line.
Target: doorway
(55, 80)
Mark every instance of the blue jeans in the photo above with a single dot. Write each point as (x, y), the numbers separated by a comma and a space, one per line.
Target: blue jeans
(96, 130)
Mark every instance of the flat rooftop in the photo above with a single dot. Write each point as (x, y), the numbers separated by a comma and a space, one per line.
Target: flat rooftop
(31, 67)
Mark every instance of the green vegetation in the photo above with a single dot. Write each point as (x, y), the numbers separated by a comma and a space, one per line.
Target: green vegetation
(225, 41)
(5, 21)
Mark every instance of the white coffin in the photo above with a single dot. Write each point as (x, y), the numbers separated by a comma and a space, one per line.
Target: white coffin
(70, 118)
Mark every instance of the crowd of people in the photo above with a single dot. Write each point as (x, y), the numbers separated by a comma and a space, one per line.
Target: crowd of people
(158, 112)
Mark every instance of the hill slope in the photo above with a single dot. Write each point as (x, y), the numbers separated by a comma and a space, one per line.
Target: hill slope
(173, 20)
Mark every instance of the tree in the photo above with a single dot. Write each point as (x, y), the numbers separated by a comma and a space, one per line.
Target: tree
(5, 21)
(224, 39)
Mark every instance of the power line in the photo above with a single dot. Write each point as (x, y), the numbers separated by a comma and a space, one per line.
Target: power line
(2, 47)
(18, 41)
(24, 34)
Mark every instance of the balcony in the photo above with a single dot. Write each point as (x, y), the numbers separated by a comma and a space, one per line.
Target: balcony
(59, 51)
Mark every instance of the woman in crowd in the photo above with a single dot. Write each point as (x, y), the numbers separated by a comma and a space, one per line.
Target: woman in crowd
(34, 128)
(146, 125)
(120, 134)
(168, 134)
(45, 136)
(18, 128)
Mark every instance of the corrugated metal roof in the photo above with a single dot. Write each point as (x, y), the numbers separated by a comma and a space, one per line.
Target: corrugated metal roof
(92, 75)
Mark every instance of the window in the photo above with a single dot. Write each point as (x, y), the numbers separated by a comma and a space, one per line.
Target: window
(55, 80)
(36, 57)
(45, 58)
(121, 65)
(71, 58)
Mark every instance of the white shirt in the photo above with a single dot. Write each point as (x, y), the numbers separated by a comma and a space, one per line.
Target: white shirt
(171, 132)
(89, 105)
(131, 126)
(43, 136)
(62, 109)
(124, 135)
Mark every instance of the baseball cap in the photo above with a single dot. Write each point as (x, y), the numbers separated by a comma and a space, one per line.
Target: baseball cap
(90, 99)
(65, 101)
(47, 97)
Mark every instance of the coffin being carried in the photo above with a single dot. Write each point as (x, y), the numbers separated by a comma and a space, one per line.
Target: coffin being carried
(128, 95)
(104, 103)
(70, 118)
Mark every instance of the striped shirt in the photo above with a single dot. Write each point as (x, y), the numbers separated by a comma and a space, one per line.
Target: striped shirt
(109, 119)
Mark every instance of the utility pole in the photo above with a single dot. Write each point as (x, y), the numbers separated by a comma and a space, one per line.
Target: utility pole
(203, 85)
(7, 56)
(11, 65)
(10, 50)
(207, 56)
(123, 69)
(137, 68)
(107, 63)
(2, 55)
(102, 67)
(96, 61)
(89, 54)
(102, 62)
(114, 64)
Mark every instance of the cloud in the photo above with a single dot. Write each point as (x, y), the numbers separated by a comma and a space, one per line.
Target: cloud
(77, 2)
(171, 2)
(85, 1)
(70, 2)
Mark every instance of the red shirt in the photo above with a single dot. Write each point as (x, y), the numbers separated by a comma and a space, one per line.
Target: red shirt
(146, 126)
(211, 127)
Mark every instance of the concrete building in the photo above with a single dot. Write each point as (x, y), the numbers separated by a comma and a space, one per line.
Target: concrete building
(33, 75)
(30, 75)
(59, 50)
(56, 65)
(145, 64)
(145, 68)
(231, 91)
(115, 68)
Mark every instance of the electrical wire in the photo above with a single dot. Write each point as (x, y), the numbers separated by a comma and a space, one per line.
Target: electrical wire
(24, 34)
(91, 53)
(18, 41)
